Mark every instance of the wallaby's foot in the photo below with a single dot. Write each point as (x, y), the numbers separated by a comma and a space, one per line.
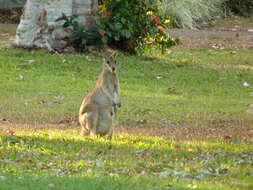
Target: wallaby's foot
(110, 137)
(93, 132)
(84, 132)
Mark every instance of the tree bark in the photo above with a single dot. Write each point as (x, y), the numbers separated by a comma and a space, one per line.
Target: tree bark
(38, 26)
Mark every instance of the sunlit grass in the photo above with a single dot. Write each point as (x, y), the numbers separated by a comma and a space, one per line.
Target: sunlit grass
(61, 157)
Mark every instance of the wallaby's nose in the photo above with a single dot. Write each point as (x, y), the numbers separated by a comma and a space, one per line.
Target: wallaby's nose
(113, 69)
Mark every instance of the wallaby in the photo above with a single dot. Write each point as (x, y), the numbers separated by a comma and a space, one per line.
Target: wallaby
(98, 111)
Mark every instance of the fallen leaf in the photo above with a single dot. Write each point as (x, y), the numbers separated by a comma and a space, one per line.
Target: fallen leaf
(169, 51)
(68, 120)
(249, 111)
(50, 185)
(10, 132)
(171, 89)
(245, 84)
(21, 77)
(88, 58)
(42, 102)
(29, 61)
(56, 102)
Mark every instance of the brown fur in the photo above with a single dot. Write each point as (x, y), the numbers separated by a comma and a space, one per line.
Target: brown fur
(97, 114)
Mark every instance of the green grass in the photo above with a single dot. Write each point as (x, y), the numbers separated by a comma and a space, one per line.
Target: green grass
(197, 84)
(187, 84)
(63, 160)
(233, 21)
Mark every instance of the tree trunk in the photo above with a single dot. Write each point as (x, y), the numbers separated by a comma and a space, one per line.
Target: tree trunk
(38, 26)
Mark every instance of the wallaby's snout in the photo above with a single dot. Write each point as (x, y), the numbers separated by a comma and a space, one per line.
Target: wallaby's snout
(113, 69)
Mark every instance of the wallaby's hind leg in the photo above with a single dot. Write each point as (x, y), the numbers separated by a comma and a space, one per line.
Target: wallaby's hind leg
(92, 121)
(83, 121)
(84, 132)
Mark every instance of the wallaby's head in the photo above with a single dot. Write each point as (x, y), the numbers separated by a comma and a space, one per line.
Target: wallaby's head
(110, 62)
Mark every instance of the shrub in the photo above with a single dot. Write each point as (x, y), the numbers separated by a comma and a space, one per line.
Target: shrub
(130, 26)
(82, 36)
(241, 7)
(187, 13)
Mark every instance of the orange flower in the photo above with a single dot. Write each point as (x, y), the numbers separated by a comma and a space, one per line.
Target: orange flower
(155, 19)
(161, 29)
(102, 33)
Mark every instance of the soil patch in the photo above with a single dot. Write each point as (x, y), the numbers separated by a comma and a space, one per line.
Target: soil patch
(238, 129)
(10, 16)
(7, 34)
(213, 39)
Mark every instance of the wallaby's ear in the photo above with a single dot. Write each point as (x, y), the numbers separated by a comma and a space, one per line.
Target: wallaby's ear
(103, 54)
(114, 54)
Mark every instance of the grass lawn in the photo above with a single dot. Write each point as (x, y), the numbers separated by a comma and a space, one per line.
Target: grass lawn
(188, 84)
(191, 87)
(63, 160)
(231, 22)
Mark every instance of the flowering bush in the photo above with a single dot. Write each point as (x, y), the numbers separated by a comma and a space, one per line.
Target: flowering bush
(134, 25)
(131, 26)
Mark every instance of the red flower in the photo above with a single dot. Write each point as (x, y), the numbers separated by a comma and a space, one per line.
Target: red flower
(155, 19)
(161, 29)
(227, 137)
(108, 13)
(102, 33)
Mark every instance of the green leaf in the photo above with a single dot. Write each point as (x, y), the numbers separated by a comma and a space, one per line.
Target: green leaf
(126, 33)
(83, 41)
(149, 3)
(105, 39)
(118, 26)
(123, 20)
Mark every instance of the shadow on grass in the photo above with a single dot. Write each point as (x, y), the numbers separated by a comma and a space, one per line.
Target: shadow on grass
(61, 143)
(27, 156)
(61, 160)
(76, 183)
